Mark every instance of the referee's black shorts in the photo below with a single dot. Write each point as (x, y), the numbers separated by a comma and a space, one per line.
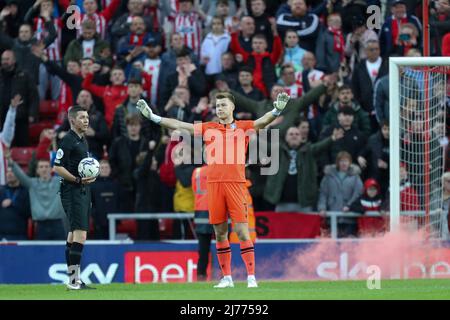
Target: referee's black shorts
(76, 201)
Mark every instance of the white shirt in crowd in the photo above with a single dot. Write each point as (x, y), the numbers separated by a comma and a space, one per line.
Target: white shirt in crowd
(373, 68)
(213, 46)
(152, 67)
(88, 48)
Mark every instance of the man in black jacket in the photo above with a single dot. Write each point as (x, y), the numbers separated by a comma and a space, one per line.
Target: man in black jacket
(122, 156)
(375, 157)
(366, 73)
(15, 81)
(149, 130)
(22, 46)
(148, 193)
(187, 75)
(353, 140)
(105, 199)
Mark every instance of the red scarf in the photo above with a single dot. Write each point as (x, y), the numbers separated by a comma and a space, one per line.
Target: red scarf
(395, 27)
(136, 39)
(338, 42)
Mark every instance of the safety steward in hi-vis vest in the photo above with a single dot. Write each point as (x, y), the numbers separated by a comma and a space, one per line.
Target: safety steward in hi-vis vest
(203, 229)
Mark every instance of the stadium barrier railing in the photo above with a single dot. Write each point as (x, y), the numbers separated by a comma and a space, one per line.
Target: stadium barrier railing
(333, 215)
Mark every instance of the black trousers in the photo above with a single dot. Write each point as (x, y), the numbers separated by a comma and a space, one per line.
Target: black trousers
(204, 245)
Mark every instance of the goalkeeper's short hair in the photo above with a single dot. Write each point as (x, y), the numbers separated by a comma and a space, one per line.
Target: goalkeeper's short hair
(225, 95)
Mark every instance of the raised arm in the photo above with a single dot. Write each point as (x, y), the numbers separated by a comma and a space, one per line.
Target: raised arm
(7, 134)
(22, 176)
(279, 105)
(165, 122)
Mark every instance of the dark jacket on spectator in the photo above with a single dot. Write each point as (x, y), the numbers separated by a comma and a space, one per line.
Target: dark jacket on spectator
(385, 35)
(377, 148)
(105, 199)
(381, 98)
(230, 76)
(149, 129)
(169, 66)
(19, 82)
(328, 60)
(75, 50)
(148, 197)
(263, 26)
(307, 188)
(121, 25)
(361, 118)
(25, 59)
(196, 84)
(14, 219)
(290, 115)
(352, 142)
(362, 84)
(307, 28)
(122, 162)
(255, 94)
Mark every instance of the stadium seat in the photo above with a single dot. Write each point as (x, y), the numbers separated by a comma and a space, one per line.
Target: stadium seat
(48, 109)
(166, 228)
(30, 229)
(22, 155)
(128, 226)
(35, 129)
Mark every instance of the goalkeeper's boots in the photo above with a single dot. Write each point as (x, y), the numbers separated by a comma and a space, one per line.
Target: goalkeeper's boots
(251, 282)
(225, 282)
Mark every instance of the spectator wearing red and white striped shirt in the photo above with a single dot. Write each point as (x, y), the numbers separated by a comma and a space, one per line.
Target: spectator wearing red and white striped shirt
(223, 11)
(102, 18)
(188, 23)
(308, 79)
(35, 16)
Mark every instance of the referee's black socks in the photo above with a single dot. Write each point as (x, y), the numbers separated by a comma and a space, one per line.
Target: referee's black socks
(74, 257)
(75, 253)
(68, 245)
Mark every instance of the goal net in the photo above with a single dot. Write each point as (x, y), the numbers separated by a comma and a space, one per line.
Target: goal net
(418, 97)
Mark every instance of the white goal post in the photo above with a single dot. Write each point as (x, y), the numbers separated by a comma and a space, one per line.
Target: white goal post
(426, 94)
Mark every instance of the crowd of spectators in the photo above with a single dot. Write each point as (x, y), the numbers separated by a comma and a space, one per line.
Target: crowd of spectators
(176, 54)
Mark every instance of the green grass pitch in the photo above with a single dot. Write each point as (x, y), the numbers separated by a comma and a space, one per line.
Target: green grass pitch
(268, 290)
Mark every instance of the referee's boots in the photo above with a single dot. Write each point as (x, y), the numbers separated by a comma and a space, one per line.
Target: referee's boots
(74, 276)
(84, 286)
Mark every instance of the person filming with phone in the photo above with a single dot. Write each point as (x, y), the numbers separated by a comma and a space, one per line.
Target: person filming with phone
(407, 39)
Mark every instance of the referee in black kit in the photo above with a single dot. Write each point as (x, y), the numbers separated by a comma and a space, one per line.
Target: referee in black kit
(75, 191)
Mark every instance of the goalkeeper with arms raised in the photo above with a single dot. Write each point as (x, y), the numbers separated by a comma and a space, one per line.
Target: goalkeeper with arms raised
(225, 181)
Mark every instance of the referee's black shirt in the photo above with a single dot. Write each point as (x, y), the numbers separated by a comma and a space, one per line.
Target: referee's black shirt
(71, 150)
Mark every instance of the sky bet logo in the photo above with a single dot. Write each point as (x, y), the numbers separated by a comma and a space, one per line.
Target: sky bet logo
(139, 267)
(167, 266)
